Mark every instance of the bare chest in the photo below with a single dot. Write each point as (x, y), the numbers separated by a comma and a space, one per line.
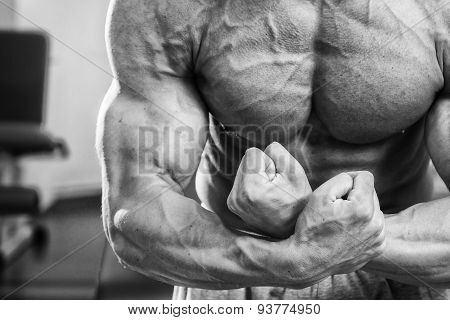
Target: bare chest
(367, 69)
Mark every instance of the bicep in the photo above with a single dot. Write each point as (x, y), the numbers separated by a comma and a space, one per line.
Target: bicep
(142, 140)
(437, 135)
(136, 148)
(150, 128)
(153, 118)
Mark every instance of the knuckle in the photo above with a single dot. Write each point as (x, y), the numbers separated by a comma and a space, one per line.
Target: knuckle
(343, 175)
(275, 144)
(251, 151)
(338, 179)
(367, 174)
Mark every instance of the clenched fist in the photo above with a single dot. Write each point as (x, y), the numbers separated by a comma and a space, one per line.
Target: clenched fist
(343, 221)
(270, 190)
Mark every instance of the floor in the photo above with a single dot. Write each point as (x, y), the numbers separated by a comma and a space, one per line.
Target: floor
(75, 262)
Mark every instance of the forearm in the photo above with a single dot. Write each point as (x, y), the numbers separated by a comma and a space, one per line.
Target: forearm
(173, 239)
(417, 246)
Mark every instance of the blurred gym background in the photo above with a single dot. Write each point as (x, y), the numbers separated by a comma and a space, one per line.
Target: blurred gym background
(53, 76)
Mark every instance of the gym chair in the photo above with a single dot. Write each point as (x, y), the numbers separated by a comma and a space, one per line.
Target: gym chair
(23, 66)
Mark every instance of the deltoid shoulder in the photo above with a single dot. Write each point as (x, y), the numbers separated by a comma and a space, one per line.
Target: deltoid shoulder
(154, 34)
(174, 27)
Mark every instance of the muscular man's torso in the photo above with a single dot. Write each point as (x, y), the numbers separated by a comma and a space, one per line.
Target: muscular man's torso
(343, 85)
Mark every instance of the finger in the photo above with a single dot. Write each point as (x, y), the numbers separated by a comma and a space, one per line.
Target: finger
(363, 188)
(337, 187)
(256, 161)
(285, 163)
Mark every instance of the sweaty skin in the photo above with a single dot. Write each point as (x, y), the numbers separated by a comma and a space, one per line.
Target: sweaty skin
(344, 86)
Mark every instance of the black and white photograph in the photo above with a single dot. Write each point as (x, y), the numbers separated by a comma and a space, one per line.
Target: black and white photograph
(161, 153)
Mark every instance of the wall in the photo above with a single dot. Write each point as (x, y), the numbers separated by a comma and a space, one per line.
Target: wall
(6, 15)
(78, 79)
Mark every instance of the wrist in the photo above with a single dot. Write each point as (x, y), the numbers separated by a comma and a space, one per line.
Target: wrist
(395, 226)
(301, 263)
